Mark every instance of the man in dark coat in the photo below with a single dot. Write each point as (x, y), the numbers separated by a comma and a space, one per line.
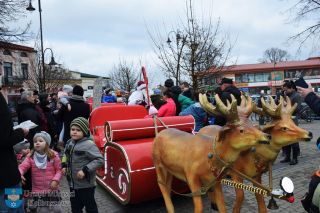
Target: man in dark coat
(226, 90)
(187, 91)
(290, 89)
(79, 108)
(26, 110)
(9, 173)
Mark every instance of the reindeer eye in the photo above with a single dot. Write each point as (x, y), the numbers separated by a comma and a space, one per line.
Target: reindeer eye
(284, 128)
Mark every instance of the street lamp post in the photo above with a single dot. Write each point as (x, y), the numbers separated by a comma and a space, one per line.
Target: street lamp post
(43, 85)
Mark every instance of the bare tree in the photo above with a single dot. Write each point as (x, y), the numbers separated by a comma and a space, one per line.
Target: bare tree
(10, 12)
(123, 76)
(306, 10)
(274, 55)
(55, 76)
(198, 46)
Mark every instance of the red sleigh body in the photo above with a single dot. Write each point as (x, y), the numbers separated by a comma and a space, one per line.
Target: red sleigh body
(125, 139)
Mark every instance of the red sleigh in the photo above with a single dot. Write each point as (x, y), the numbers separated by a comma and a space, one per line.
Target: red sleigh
(125, 137)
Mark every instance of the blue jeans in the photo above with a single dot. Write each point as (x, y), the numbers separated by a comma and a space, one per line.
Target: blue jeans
(5, 208)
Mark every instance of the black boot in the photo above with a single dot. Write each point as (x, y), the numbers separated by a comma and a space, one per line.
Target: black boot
(294, 161)
(285, 160)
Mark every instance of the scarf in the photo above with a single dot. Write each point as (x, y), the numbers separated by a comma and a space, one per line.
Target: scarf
(40, 160)
(77, 97)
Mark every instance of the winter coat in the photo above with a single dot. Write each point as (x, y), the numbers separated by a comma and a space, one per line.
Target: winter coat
(78, 109)
(51, 123)
(313, 102)
(168, 109)
(316, 197)
(224, 96)
(296, 99)
(27, 111)
(81, 155)
(184, 101)
(108, 99)
(188, 93)
(42, 178)
(198, 113)
(9, 173)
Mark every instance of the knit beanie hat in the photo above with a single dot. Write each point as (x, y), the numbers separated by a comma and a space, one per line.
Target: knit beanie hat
(77, 90)
(168, 83)
(82, 123)
(67, 88)
(141, 85)
(140, 82)
(43, 135)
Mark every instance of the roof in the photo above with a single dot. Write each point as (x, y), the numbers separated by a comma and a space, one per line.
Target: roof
(263, 67)
(12, 46)
(86, 75)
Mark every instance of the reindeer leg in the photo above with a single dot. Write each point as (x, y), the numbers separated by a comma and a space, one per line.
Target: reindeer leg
(164, 182)
(239, 195)
(195, 185)
(218, 194)
(260, 199)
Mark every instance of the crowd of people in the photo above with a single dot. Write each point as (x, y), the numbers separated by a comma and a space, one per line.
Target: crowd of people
(61, 143)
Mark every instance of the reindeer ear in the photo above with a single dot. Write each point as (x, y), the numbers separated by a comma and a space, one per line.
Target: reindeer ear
(222, 133)
(268, 127)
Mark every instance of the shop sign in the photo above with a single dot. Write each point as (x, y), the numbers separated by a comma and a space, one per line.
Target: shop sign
(277, 76)
(241, 84)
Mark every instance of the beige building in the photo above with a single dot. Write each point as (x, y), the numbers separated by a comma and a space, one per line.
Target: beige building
(87, 82)
(18, 70)
(16, 61)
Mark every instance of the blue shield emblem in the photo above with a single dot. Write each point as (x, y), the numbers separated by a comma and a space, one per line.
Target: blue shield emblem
(13, 197)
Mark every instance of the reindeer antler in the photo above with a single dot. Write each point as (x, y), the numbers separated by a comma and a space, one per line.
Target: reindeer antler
(246, 106)
(207, 106)
(287, 105)
(257, 109)
(230, 111)
(271, 108)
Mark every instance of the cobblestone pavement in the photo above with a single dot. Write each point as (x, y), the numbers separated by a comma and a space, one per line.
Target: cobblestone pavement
(300, 174)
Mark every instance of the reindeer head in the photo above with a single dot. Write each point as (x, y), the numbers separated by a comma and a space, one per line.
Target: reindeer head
(282, 128)
(239, 133)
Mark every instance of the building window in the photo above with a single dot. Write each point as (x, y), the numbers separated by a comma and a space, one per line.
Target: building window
(7, 68)
(24, 70)
(23, 54)
(251, 78)
(6, 52)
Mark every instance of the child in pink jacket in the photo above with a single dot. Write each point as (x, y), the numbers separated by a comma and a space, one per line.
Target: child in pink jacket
(45, 168)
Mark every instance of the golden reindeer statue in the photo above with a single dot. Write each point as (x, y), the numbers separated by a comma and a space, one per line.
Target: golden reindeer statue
(183, 155)
(283, 132)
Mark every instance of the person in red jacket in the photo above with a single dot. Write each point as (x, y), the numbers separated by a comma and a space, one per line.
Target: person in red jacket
(169, 108)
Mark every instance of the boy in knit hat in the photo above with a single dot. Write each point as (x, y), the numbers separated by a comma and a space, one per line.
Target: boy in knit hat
(80, 162)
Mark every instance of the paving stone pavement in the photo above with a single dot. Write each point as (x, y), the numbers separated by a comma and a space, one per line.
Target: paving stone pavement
(300, 174)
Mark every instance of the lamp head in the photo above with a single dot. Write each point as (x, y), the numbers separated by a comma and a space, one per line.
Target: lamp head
(30, 7)
(52, 62)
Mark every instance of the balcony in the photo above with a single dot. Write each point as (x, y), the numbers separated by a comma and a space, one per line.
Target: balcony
(12, 81)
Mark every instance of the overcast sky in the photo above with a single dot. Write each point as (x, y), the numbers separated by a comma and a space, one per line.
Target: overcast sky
(91, 35)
